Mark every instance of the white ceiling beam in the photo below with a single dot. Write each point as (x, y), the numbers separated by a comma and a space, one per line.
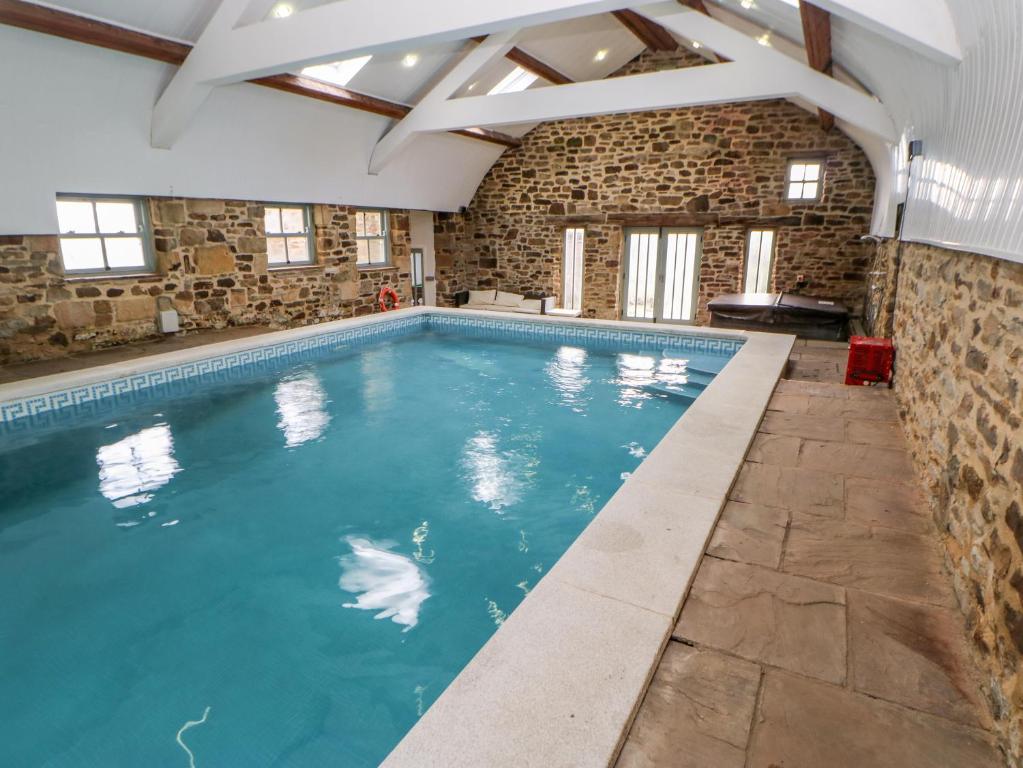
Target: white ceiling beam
(401, 135)
(227, 54)
(355, 27)
(756, 73)
(821, 90)
(924, 26)
(185, 93)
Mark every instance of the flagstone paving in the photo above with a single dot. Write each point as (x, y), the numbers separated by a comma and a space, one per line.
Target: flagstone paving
(821, 630)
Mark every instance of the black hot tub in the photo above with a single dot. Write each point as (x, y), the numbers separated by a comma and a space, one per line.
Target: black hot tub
(806, 316)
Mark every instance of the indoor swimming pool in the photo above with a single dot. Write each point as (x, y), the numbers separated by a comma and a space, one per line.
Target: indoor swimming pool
(287, 565)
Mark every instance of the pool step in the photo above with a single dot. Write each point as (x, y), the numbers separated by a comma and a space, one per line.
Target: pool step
(673, 391)
(673, 355)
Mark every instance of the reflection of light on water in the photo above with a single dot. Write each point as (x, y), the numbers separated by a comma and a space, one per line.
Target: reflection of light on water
(524, 586)
(567, 371)
(418, 538)
(582, 500)
(385, 581)
(130, 468)
(185, 727)
(523, 544)
(377, 375)
(635, 449)
(634, 373)
(302, 408)
(419, 690)
(495, 613)
(496, 478)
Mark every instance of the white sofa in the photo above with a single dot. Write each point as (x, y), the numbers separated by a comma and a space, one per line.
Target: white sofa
(500, 301)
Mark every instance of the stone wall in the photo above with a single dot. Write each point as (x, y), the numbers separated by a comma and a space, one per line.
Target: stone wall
(721, 168)
(211, 262)
(959, 340)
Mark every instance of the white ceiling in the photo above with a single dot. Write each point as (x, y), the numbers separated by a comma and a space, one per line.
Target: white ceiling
(970, 185)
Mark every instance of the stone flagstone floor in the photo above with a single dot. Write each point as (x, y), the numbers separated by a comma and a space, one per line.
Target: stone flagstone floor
(821, 630)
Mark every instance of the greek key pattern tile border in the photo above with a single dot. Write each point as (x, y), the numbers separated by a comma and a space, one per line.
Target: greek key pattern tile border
(584, 334)
(94, 397)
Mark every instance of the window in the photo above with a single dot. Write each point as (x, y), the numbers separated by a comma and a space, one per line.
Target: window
(373, 239)
(518, 79)
(339, 73)
(759, 260)
(103, 234)
(289, 238)
(572, 269)
(804, 180)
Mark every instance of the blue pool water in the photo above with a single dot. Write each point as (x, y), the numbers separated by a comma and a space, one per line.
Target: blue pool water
(288, 570)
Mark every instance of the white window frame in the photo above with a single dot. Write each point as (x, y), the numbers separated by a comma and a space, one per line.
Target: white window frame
(799, 177)
(754, 269)
(384, 236)
(572, 266)
(143, 233)
(307, 233)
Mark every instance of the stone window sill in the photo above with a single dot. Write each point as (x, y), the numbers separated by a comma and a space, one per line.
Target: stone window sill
(143, 277)
(381, 268)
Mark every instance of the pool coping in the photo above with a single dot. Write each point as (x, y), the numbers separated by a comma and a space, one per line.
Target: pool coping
(560, 682)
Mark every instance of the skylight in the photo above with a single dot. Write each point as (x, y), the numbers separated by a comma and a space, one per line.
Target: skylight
(517, 80)
(337, 72)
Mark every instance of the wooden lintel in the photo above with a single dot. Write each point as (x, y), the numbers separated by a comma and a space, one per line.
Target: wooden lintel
(49, 21)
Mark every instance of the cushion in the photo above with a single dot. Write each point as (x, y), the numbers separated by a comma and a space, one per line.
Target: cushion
(482, 297)
(508, 299)
(531, 304)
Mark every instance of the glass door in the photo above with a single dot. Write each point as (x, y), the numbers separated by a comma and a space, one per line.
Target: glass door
(640, 274)
(661, 275)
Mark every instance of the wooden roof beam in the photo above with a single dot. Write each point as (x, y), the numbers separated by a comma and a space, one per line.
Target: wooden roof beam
(653, 36)
(817, 40)
(532, 64)
(49, 21)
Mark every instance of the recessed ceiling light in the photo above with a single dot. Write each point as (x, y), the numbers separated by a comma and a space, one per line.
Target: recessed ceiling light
(601, 55)
(282, 11)
(696, 44)
(747, 4)
(410, 60)
(765, 39)
(473, 85)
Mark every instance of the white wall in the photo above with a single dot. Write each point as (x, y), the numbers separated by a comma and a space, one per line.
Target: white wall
(75, 118)
(967, 189)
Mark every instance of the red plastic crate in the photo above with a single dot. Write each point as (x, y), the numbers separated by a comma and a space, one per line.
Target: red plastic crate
(870, 361)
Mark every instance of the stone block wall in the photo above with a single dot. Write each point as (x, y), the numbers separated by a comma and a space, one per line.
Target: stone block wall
(958, 330)
(211, 263)
(720, 168)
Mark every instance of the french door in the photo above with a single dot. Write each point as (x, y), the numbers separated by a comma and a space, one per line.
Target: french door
(661, 275)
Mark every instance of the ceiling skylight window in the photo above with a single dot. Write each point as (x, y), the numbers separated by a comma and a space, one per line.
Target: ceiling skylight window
(517, 80)
(337, 72)
(281, 11)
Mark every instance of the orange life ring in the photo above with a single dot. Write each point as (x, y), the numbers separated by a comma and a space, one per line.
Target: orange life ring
(388, 292)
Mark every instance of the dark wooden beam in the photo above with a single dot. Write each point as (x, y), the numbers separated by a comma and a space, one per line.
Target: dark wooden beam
(49, 21)
(532, 64)
(36, 18)
(317, 89)
(817, 39)
(696, 5)
(494, 137)
(653, 36)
